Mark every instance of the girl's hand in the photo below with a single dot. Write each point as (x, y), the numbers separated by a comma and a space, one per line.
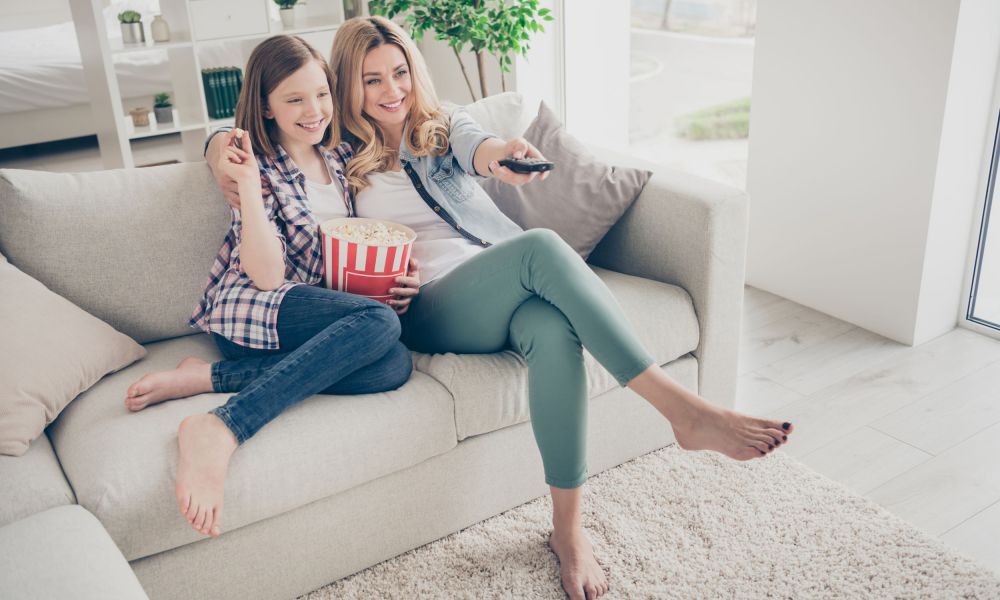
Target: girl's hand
(409, 286)
(240, 165)
(517, 148)
(230, 189)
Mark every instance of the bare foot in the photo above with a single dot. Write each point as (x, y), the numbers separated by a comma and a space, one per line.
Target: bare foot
(582, 577)
(736, 435)
(206, 445)
(192, 376)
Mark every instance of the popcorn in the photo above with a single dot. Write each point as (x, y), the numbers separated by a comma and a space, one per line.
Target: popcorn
(371, 234)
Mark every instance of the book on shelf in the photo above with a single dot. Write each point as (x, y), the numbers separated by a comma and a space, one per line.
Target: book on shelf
(222, 90)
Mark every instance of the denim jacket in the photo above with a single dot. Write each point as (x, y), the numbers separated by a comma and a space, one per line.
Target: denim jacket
(451, 181)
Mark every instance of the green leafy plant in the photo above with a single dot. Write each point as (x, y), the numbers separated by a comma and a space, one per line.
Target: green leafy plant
(162, 100)
(129, 16)
(500, 28)
(286, 3)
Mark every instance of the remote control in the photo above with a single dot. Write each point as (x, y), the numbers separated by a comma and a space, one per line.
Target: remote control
(527, 165)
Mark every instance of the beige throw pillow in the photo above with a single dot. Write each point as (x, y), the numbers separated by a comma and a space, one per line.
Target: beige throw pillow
(51, 352)
(581, 199)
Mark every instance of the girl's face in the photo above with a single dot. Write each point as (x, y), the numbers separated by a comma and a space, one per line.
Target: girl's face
(386, 80)
(301, 106)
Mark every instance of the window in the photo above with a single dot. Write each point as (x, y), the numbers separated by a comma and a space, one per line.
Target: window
(691, 72)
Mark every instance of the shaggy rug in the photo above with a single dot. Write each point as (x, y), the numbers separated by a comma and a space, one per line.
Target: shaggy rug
(677, 524)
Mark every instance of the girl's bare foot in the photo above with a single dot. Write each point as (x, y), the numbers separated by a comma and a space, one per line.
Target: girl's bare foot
(192, 376)
(736, 435)
(582, 576)
(206, 445)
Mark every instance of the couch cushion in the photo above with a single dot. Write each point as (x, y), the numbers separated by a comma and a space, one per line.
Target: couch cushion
(53, 351)
(32, 483)
(122, 465)
(491, 390)
(114, 243)
(63, 553)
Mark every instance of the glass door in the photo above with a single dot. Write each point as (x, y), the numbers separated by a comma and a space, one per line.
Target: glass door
(983, 309)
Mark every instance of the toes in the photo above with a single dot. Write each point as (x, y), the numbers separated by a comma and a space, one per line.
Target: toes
(199, 520)
(184, 502)
(762, 442)
(778, 437)
(591, 591)
(192, 511)
(760, 446)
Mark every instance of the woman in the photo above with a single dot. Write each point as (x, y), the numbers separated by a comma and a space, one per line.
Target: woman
(284, 336)
(489, 286)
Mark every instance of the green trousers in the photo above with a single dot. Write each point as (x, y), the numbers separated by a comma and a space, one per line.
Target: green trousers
(535, 295)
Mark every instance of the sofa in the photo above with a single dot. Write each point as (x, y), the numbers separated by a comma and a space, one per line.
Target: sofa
(334, 484)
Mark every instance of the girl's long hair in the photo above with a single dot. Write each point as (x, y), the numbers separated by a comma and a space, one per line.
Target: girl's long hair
(271, 62)
(426, 128)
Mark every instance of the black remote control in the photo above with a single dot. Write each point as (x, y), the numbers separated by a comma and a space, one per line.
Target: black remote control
(527, 165)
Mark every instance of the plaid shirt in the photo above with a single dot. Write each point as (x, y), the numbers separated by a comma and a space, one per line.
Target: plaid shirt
(230, 305)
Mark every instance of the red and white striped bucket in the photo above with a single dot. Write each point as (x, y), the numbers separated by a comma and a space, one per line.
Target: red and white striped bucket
(362, 269)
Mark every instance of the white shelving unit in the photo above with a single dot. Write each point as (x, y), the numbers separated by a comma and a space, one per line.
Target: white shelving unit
(194, 25)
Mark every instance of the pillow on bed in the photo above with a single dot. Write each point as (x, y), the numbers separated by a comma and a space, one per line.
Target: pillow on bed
(582, 197)
(53, 351)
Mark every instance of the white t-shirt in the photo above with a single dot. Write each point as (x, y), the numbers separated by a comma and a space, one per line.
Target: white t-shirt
(438, 248)
(326, 200)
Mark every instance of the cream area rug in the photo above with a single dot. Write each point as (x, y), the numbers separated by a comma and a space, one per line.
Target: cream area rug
(678, 524)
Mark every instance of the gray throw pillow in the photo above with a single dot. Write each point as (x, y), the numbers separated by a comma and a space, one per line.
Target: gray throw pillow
(581, 199)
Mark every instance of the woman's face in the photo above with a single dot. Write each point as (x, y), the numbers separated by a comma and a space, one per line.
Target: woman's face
(301, 106)
(386, 80)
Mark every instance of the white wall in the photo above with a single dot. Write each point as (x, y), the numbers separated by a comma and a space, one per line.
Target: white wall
(860, 202)
(596, 35)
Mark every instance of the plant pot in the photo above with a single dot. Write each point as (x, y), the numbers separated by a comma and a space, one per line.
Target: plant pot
(164, 114)
(352, 8)
(132, 33)
(287, 17)
(140, 117)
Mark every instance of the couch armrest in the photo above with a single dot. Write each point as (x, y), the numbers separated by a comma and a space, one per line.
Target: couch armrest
(690, 232)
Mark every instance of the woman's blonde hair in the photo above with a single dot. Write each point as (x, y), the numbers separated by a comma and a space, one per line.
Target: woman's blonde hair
(426, 128)
(271, 62)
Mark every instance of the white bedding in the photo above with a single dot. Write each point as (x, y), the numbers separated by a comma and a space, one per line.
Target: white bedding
(41, 68)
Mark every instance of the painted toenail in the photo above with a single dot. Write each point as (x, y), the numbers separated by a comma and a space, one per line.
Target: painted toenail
(777, 443)
(785, 426)
(770, 447)
(784, 437)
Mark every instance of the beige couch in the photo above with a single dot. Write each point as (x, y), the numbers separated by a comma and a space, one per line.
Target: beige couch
(335, 484)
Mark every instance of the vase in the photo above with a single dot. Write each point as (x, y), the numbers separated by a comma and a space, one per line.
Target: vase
(287, 17)
(140, 117)
(164, 114)
(132, 33)
(159, 29)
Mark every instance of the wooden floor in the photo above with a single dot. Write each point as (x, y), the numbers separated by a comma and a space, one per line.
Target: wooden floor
(915, 429)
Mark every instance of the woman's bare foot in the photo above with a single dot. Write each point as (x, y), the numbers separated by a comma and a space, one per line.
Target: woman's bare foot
(206, 445)
(736, 435)
(192, 376)
(582, 576)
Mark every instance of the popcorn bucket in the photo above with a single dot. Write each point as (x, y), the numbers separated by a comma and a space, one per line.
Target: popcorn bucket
(358, 260)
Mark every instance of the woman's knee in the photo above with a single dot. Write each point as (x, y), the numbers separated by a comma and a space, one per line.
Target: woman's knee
(537, 324)
(400, 365)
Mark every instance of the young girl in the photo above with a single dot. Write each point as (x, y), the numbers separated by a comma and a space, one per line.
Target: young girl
(285, 338)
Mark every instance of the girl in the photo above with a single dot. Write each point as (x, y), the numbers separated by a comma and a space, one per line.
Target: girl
(284, 337)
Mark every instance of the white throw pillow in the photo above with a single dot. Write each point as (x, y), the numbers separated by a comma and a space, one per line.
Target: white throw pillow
(52, 351)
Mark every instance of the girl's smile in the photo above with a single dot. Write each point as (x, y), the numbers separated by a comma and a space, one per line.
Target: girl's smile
(301, 106)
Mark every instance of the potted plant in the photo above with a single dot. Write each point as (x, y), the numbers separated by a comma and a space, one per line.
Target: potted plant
(140, 116)
(131, 24)
(287, 12)
(163, 108)
(501, 28)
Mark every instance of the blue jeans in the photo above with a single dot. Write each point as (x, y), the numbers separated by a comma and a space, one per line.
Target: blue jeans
(330, 342)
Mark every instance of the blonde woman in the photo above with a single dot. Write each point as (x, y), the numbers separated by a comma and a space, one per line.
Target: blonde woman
(489, 286)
